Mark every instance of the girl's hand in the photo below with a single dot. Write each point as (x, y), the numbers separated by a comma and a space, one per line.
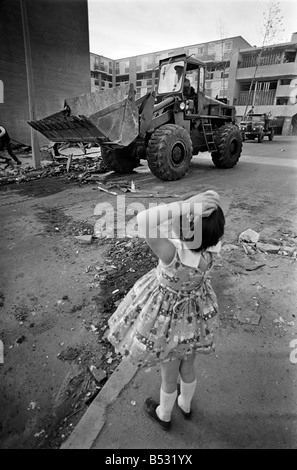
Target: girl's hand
(209, 200)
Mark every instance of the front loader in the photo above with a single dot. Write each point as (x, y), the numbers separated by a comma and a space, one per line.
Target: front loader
(166, 127)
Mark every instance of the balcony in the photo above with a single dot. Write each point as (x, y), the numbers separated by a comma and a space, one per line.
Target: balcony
(262, 98)
(268, 71)
(284, 90)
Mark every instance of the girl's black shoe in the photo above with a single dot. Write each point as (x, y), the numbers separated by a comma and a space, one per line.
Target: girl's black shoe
(184, 413)
(150, 407)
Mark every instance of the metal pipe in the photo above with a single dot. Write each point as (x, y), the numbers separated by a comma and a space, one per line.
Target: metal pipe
(164, 103)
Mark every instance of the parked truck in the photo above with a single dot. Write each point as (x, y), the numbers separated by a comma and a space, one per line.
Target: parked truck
(257, 126)
(166, 127)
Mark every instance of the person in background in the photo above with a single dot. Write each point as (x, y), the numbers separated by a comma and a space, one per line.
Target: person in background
(5, 144)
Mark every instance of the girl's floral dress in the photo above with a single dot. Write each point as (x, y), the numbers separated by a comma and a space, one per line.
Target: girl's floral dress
(169, 311)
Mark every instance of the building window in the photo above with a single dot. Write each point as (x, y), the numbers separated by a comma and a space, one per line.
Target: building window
(122, 79)
(95, 63)
(281, 101)
(285, 81)
(144, 76)
(290, 56)
(192, 51)
(200, 51)
(211, 49)
(227, 46)
(159, 57)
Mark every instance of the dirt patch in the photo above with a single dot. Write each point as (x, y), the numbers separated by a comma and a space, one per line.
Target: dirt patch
(39, 188)
(55, 221)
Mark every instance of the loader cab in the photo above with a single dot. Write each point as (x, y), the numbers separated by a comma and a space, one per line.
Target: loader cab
(184, 77)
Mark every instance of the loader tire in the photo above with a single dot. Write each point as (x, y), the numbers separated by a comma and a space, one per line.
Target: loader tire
(228, 141)
(120, 160)
(169, 152)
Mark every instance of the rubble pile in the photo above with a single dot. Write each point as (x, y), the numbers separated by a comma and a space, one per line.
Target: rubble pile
(84, 170)
(286, 245)
(126, 261)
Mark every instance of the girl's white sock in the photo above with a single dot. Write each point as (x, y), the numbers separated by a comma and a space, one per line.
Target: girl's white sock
(186, 394)
(166, 404)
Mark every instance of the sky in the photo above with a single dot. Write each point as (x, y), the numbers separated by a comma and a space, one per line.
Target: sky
(124, 28)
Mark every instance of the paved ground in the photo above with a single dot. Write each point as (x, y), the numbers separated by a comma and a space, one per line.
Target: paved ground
(247, 390)
(53, 305)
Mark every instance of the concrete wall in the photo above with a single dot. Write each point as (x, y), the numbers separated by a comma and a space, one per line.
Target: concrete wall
(59, 39)
(268, 71)
(283, 110)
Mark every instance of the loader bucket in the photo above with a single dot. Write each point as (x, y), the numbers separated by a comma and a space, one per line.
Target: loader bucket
(109, 116)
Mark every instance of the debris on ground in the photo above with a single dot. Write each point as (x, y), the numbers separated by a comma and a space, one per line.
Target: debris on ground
(20, 339)
(282, 322)
(84, 239)
(126, 261)
(268, 248)
(229, 247)
(86, 168)
(253, 268)
(69, 354)
(249, 242)
(253, 319)
(249, 236)
(99, 374)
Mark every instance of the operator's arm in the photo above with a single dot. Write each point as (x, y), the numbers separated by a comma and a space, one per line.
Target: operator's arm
(2, 131)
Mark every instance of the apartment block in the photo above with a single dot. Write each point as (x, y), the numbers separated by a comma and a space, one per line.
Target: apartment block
(244, 75)
(142, 70)
(267, 80)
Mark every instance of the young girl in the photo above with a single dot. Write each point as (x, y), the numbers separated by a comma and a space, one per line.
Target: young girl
(165, 318)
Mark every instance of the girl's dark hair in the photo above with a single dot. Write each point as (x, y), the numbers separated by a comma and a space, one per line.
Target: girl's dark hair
(212, 229)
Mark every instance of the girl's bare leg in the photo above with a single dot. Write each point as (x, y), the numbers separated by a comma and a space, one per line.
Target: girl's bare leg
(187, 384)
(169, 374)
(186, 369)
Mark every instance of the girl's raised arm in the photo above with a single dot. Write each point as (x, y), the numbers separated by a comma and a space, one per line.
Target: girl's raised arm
(150, 220)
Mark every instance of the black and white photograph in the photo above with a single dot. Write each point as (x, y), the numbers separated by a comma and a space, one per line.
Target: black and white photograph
(148, 207)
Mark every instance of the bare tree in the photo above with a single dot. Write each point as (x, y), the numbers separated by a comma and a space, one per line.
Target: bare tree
(222, 65)
(221, 58)
(271, 28)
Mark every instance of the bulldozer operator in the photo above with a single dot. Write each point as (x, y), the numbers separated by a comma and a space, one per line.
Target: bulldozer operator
(188, 90)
